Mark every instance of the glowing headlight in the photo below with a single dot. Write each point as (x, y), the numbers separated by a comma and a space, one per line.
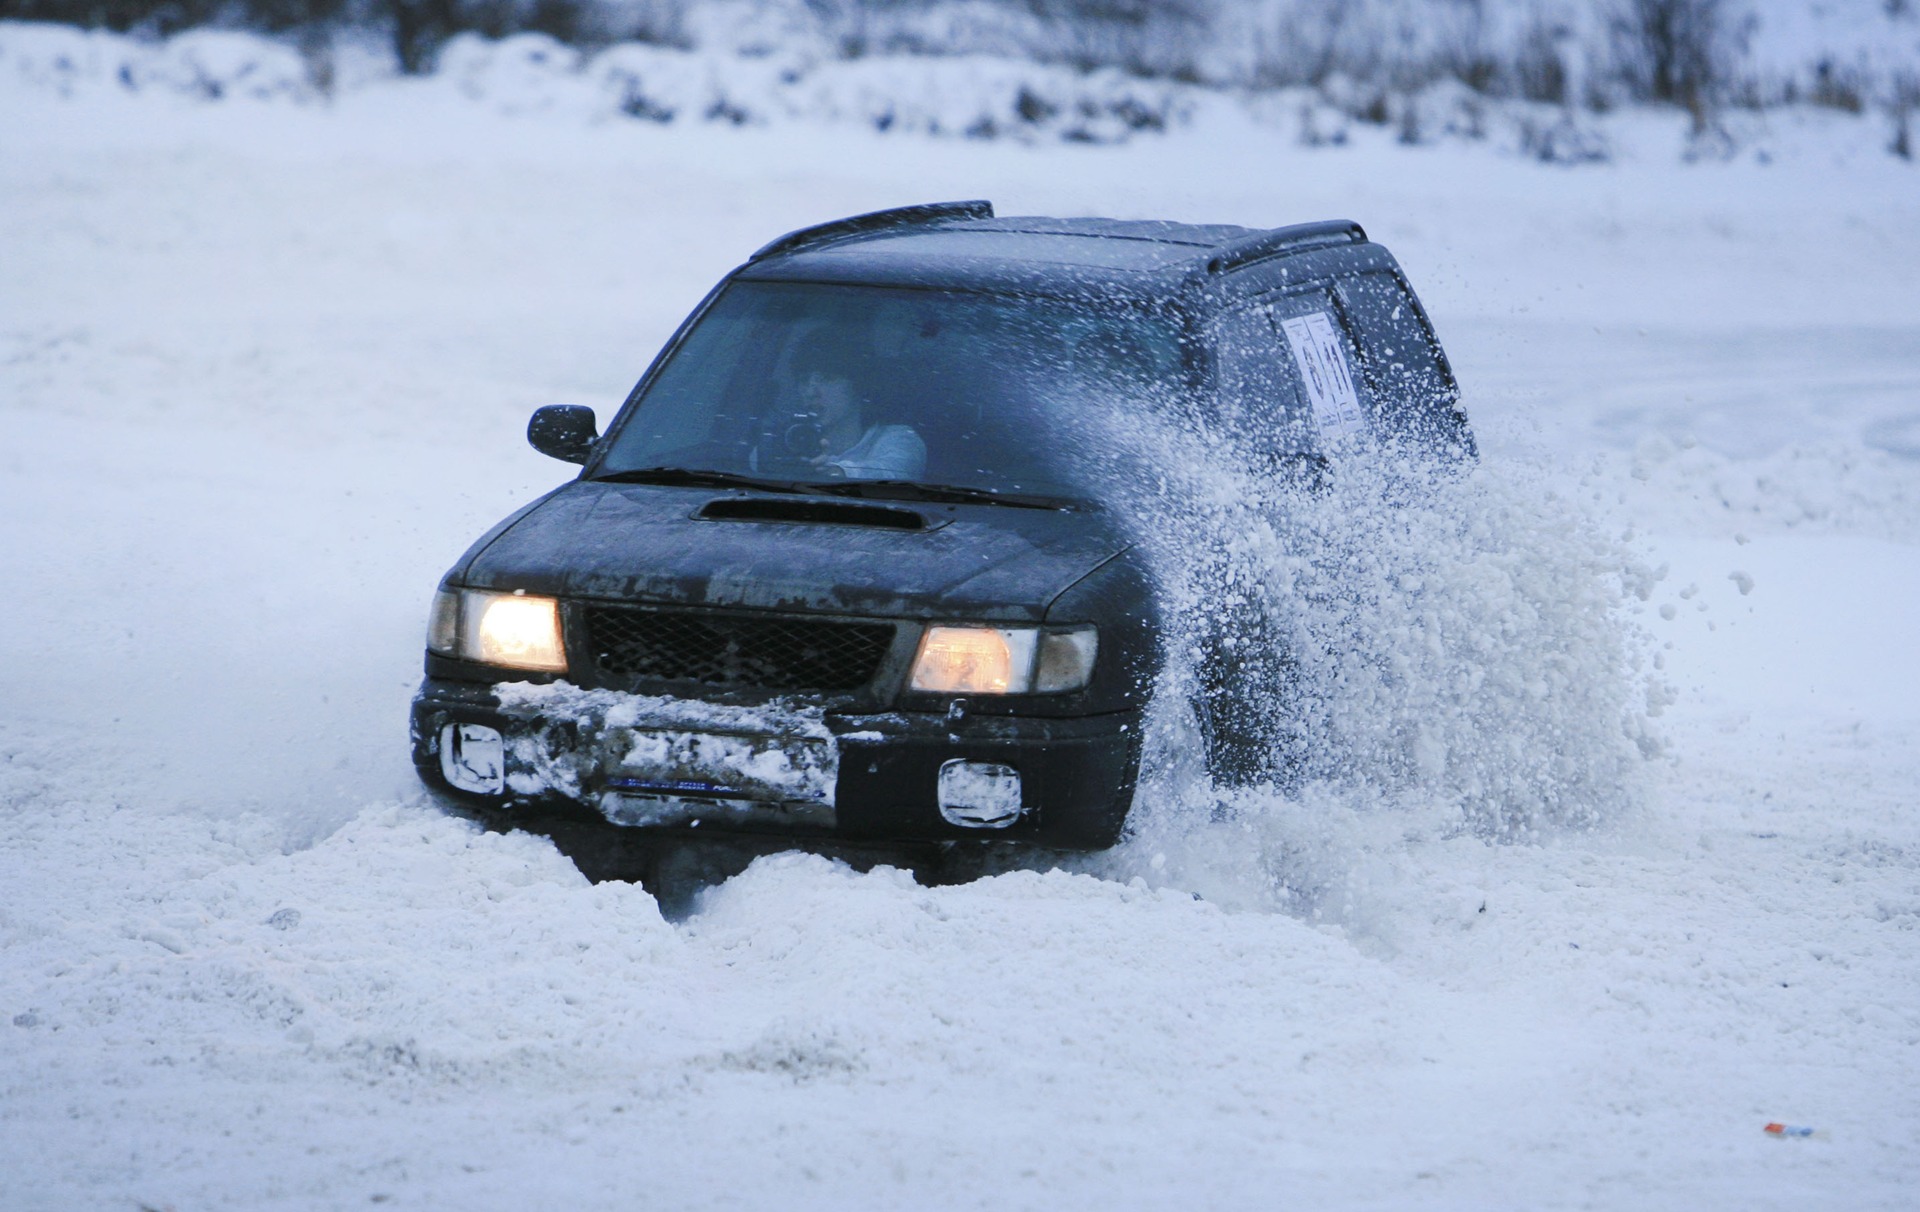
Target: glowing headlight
(514, 631)
(1003, 660)
(976, 660)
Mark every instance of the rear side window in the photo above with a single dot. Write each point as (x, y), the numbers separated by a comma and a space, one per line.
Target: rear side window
(1258, 385)
(1288, 375)
(1304, 372)
(1322, 354)
(1407, 380)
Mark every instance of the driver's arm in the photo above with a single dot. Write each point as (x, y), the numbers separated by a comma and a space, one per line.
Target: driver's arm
(897, 453)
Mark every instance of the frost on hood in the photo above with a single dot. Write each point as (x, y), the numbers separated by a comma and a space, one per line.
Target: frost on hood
(649, 749)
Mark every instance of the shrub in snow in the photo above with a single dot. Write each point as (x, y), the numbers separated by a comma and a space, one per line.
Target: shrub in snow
(660, 85)
(216, 64)
(976, 96)
(1443, 109)
(1321, 124)
(983, 97)
(524, 71)
(59, 58)
(651, 83)
(210, 65)
(1560, 137)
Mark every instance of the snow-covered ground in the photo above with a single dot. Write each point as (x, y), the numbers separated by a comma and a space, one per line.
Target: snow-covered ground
(264, 369)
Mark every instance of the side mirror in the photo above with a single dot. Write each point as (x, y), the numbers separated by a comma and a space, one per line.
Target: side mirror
(563, 431)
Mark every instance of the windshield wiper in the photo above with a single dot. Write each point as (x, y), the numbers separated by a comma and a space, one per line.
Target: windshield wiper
(914, 490)
(884, 490)
(691, 477)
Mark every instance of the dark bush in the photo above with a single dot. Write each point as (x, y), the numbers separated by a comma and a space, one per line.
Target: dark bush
(1538, 70)
(417, 28)
(1681, 52)
(1905, 101)
(1837, 88)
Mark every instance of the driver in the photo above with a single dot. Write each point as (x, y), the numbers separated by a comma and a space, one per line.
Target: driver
(850, 447)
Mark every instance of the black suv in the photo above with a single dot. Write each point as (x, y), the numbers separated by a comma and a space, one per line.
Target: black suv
(845, 565)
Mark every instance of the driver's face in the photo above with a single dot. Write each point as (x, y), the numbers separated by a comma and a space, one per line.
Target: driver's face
(830, 397)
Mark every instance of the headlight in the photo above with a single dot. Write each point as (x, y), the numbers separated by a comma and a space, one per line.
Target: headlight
(512, 630)
(1004, 660)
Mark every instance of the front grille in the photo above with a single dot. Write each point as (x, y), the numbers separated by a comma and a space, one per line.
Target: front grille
(735, 651)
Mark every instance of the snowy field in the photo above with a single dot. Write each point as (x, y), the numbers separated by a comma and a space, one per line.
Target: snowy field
(264, 372)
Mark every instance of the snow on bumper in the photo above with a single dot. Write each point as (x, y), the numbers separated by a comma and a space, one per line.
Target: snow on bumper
(786, 767)
(655, 760)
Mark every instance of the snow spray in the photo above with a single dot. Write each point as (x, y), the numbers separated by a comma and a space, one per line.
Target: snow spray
(1420, 645)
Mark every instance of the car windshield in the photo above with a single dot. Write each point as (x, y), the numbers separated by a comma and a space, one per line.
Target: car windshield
(816, 384)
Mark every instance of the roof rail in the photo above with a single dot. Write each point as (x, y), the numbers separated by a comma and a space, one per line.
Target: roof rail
(1296, 238)
(879, 220)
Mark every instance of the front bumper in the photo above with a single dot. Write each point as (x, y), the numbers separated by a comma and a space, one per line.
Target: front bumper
(667, 764)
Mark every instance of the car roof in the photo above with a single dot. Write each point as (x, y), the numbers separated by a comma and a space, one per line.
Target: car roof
(963, 246)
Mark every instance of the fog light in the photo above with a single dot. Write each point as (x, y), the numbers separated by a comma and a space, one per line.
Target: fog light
(979, 795)
(473, 757)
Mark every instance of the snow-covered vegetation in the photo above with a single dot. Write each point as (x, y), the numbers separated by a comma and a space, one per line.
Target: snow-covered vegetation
(1538, 73)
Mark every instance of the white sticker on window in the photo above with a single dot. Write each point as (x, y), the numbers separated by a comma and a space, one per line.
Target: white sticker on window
(1318, 350)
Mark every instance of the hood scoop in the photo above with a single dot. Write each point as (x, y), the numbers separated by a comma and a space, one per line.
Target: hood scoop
(812, 512)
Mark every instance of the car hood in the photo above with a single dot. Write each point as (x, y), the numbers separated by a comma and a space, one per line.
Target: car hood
(643, 543)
